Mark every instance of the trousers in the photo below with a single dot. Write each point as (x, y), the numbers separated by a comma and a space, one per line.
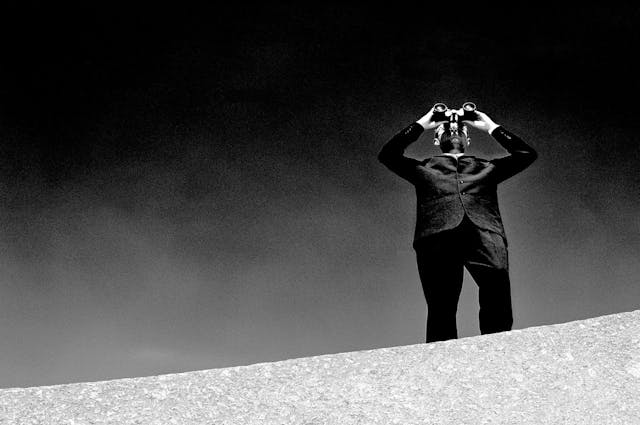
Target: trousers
(441, 258)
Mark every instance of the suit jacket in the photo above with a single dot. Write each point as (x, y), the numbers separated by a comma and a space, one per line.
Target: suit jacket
(447, 188)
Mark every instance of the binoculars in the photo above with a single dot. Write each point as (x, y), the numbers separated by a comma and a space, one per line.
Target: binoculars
(442, 113)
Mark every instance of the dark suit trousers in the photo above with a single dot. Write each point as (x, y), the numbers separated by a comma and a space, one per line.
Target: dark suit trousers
(441, 258)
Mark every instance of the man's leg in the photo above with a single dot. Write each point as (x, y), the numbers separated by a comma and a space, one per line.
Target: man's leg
(487, 262)
(441, 273)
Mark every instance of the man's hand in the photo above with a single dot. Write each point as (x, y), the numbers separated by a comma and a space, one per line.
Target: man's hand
(427, 121)
(483, 122)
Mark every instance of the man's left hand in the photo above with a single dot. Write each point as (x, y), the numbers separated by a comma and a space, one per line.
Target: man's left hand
(483, 122)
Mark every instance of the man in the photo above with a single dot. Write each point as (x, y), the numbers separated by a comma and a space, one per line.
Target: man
(458, 222)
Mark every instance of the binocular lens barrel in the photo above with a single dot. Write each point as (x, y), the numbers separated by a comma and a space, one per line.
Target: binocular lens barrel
(442, 113)
(469, 106)
(440, 107)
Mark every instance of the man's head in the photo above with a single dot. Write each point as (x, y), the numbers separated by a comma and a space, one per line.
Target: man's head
(452, 137)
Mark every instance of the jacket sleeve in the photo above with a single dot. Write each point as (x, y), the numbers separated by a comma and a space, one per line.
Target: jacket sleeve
(391, 154)
(521, 154)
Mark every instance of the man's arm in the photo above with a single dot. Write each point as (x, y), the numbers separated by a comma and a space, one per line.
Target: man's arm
(521, 155)
(392, 153)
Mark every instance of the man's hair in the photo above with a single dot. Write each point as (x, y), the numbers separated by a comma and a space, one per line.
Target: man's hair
(443, 127)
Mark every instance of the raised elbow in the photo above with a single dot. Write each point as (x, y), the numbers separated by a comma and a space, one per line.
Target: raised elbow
(383, 155)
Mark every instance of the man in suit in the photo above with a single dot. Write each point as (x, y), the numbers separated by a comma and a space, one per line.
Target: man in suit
(458, 221)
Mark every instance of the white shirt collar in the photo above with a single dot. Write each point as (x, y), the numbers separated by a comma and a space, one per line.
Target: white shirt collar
(455, 155)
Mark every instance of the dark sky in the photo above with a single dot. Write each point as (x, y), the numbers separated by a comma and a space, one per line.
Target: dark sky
(197, 187)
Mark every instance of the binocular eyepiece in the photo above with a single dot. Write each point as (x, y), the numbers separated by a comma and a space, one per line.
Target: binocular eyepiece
(442, 113)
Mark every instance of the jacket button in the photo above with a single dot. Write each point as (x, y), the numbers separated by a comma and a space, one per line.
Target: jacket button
(461, 181)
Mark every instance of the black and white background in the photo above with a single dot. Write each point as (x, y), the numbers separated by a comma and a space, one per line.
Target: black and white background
(192, 187)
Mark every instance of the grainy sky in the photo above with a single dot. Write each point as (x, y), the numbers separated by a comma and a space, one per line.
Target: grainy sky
(192, 188)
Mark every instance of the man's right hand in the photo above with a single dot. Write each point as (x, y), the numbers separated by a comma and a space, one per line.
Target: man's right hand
(427, 121)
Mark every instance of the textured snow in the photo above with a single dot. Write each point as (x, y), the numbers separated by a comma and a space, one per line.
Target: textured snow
(581, 372)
